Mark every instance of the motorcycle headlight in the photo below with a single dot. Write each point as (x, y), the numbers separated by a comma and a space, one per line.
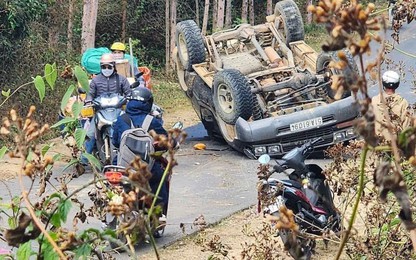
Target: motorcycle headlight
(110, 101)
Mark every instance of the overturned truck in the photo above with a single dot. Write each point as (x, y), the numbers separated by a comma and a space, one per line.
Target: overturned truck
(261, 87)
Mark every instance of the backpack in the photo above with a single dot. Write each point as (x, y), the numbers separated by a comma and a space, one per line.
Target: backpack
(136, 142)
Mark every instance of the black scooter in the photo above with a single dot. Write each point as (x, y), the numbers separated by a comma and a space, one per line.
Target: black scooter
(305, 193)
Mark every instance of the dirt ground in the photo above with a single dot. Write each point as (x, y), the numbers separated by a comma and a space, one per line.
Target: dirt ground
(232, 233)
(10, 166)
(232, 237)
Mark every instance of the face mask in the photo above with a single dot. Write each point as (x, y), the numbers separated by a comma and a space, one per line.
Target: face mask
(107, 72)
(118, 56)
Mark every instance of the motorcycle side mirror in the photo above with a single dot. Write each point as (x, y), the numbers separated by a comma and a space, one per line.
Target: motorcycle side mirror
(135, 85)
(264, 159)
(81, 91)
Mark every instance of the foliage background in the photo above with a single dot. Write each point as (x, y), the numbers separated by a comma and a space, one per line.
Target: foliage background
(34, 32)
(26, 44)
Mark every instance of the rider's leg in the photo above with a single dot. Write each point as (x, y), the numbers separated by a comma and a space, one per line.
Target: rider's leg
(90, 141)
(157, 174)
(163, 196)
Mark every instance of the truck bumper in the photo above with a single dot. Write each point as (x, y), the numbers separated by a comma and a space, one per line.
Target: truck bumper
(275, 135)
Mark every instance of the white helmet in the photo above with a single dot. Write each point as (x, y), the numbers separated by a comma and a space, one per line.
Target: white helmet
(391, 79)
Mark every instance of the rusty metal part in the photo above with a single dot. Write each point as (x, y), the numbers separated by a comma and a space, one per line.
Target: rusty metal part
(282, 45)
(275, 59)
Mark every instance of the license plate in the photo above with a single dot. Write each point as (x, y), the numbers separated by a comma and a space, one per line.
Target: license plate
(311, 123)
(276, 206)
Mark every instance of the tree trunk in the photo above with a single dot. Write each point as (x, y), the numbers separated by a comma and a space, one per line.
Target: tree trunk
(167, 35)
(244, 8)
(228, 14)
(70, 33)
(309, 15)
(269, 7)
(55, 19)
(251, 11)
(220, 11)
(89, 20)
(123, 20)
(214, 14)
(172, 31)
(197, 12)
(205, 19)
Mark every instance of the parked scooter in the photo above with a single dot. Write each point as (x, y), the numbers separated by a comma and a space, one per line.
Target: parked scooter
(306, 193)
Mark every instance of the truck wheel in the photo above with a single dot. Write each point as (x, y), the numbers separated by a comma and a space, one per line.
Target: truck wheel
(289, 20)
(190, 44)
(232, 96)
(350, 71)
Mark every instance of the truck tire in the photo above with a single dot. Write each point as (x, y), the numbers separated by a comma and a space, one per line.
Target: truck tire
(190, 44)
(232, 96)
(350, 71)
(291, 21)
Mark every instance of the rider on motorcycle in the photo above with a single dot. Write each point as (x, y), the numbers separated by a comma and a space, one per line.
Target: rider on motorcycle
(118, 49)
(140, 105)
(108, 81)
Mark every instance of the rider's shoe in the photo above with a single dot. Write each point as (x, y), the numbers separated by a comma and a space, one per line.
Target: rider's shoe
(161, 229)
(162, 220)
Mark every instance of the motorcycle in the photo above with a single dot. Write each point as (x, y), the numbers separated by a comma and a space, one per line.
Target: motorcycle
(131, 217)
(127, 211)
(305, 193)
(108, 107)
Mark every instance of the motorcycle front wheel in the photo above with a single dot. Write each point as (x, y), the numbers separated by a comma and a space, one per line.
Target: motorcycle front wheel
(106, 149)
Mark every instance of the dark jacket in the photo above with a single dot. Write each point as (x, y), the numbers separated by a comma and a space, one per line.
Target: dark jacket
(137, 111)
(101, 84)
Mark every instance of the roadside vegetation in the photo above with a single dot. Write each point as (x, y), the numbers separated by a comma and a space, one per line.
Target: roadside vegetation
(374, 181)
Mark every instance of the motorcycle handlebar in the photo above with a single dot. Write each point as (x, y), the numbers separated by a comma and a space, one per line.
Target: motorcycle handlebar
(310, 145)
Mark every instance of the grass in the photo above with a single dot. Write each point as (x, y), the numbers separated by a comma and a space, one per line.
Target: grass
(314, 35)
(169, 95)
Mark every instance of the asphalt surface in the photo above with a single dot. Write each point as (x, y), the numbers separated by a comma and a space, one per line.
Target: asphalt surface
(217, 183)
(399, 56)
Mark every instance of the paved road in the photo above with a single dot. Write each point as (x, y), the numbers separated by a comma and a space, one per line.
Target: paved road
(216, 184)
(407, 44)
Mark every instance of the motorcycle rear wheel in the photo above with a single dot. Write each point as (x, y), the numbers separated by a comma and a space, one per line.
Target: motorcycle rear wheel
(303, 252)
(113, 226)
